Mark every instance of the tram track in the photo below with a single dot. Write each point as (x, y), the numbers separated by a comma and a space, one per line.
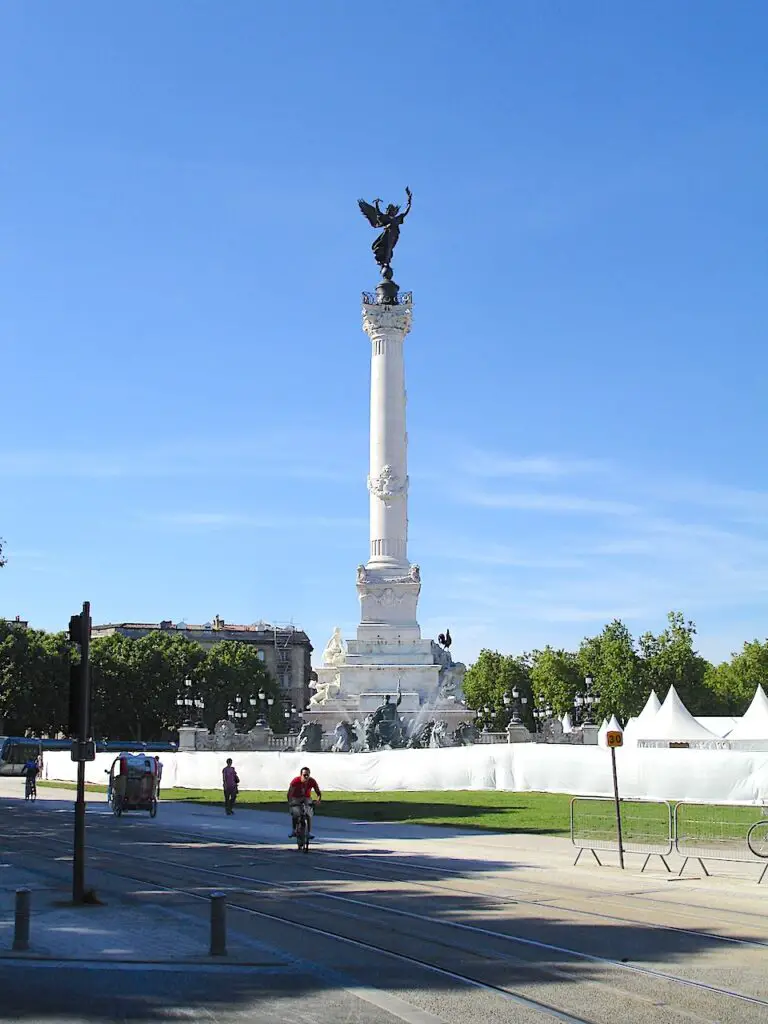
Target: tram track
(355, 908)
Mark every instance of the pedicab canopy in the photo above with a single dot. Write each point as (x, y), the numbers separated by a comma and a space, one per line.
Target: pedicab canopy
(135, 764)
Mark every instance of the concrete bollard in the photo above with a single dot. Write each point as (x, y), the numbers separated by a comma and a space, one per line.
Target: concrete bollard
(218, 924)
(21, 921)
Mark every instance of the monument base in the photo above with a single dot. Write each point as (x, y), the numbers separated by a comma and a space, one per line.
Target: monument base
(356, 678)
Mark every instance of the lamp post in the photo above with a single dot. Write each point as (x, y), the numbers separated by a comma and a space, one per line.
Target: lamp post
(292, 716)
(185, 702)
(517, 703)
(585, 701)
(265, 705)
(199, 704)
(237, 711)
(541, 715)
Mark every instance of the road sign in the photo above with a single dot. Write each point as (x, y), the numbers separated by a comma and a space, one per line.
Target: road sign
(614, 738)
(83, 750)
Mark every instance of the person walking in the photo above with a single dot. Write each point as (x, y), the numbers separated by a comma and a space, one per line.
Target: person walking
(158, 774)
(230, 781)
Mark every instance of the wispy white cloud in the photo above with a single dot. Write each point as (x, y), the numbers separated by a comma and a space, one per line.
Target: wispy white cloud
(548, 502)
(236, 520)
(311, 457)
(483, 553)
(634, 547)
(480, 463)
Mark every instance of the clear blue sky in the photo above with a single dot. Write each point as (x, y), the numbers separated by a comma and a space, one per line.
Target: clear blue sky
(185, 381)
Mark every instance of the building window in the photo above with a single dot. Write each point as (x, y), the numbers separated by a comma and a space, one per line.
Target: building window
(260, 654)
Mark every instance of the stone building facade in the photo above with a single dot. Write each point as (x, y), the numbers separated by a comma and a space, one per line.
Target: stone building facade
(285, 650)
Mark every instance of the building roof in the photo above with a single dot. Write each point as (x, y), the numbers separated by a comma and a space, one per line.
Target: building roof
(221, 627)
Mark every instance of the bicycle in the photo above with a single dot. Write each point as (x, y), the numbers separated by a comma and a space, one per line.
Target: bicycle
(30, 789)
(757, 839)
(302, 828)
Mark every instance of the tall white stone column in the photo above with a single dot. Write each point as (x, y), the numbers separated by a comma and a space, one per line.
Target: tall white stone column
(388, 585)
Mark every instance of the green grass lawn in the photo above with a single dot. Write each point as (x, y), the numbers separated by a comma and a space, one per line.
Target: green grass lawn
(545, 813)
(542, 813)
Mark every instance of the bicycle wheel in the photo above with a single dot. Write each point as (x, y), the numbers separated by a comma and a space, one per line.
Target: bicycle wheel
(757, 839)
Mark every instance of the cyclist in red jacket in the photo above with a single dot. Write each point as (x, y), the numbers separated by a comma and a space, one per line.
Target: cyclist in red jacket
(300, 792)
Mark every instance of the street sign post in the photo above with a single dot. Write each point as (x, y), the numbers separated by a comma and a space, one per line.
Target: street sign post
(615, 738)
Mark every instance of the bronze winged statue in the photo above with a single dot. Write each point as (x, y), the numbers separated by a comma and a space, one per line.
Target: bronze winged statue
(389, 219)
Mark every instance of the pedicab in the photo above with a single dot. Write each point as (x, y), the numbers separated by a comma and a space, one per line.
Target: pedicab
(133, 784)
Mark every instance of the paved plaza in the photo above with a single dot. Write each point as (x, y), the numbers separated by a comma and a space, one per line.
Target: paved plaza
(377, 923)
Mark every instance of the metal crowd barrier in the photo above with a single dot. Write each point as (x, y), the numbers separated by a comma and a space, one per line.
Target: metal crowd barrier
(757, 841)
(720, 832)
(646, 827)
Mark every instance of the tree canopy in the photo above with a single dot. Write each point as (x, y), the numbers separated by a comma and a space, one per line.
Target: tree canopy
(136, 684)
(623, 672)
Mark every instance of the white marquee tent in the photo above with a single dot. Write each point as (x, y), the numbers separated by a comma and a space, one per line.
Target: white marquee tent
(609, 725)
(631, 733)
(754, 723)
(673, 722)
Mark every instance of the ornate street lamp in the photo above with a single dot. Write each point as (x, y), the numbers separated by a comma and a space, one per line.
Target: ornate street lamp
(518, 703)
(541, 715)
(585, 701)
(185, 702)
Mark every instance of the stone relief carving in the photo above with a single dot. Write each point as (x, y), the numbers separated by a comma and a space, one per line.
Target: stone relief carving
(387, 484)
(366, 576)
(388, 598)
(224, 731)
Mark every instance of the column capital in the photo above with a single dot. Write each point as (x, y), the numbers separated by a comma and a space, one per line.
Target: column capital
(381, 320)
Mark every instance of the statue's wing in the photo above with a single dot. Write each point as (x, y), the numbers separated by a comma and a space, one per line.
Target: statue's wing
(370, 213)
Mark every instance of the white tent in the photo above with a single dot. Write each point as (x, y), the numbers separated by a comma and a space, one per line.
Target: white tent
(631, 733)
(609, 725)
(754, 724)
(673, 721)
(720, 725)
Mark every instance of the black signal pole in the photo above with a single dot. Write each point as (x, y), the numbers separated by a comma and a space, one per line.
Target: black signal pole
(80, 631)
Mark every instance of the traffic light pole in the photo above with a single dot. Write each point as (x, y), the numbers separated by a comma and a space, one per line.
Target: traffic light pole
(83, 725)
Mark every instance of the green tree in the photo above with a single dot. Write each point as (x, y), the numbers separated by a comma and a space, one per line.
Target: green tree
(136, 683)
(491, 677)
(556, 679)
(612, 662)
(230, 670)
(34, 680)
(733, 683)
(2, 559)
(670, 660)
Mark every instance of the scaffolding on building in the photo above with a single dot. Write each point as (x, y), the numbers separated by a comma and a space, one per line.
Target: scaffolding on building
(282, 642)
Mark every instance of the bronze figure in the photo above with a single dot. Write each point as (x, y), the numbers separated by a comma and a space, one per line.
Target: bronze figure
(389, 219)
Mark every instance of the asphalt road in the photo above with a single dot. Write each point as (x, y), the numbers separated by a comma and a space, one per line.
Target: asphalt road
(376, 924)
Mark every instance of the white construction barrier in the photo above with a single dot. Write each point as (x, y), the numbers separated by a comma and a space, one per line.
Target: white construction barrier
(703, 776)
